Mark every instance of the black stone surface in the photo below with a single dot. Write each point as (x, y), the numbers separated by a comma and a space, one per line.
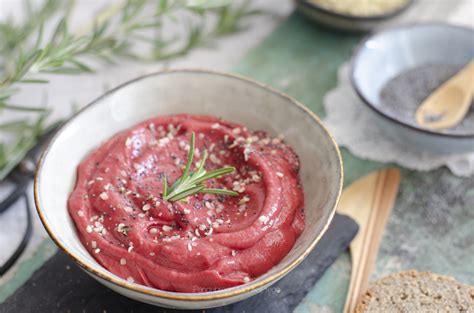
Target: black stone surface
(60, 286)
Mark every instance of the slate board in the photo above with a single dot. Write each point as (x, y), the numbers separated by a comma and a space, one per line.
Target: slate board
(60, 286)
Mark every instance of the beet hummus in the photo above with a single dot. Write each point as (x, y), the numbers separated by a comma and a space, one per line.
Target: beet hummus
(207, 242)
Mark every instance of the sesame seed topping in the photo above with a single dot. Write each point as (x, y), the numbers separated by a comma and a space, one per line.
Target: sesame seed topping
(123, 229)
(167, 228)
(279, 174)
(97, 250)
(89, 229)
(93, 244)
(123, 261)
(146, 207)
(215, 126)
(246, 279)
(104, 196)
(130, 280)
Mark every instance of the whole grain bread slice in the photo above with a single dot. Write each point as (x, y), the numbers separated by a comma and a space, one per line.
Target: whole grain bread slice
(419, 292)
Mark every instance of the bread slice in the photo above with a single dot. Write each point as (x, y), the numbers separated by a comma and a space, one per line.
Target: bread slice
(419, 292)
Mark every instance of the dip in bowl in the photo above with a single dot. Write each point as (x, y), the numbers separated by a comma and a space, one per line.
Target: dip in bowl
(193, 92)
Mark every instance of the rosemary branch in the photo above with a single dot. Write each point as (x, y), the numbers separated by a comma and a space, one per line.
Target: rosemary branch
(26, 57)
(191, 183)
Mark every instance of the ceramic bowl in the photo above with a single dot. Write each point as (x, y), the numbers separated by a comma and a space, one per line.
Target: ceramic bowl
(198, 92)
(343, 21)
(386, 54)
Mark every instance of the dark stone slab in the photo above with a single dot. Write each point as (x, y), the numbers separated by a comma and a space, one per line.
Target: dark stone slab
(60, 286)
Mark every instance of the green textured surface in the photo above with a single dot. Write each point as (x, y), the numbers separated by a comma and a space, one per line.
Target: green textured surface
(45, 250)
(432, 225)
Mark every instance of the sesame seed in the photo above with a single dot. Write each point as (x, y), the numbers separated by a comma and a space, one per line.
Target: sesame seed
(187, 211)
(97, 250)
(89, 229)
(279, 174)
(202, 227)
(153, 230)
(215, 126)
(262, 218)
(104, 196)
(246, 279)
(93, 244)
(128, 209)
(123, 229)
(123, 261)
(214, 159)
(190, 248)
(146, 207)
(167, 228)
(130, 249)
(236, 131)
(130, 280)
(80, 213)
(234, 253)
(244, 199)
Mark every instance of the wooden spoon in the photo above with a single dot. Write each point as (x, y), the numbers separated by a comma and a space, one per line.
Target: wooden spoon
(369, 202)
(448, 105)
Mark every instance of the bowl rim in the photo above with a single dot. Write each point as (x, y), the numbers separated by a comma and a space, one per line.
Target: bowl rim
(205, 296)
(356, 18)
(354, 82)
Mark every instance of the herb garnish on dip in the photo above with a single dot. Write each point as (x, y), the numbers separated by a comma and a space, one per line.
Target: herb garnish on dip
(189, 203)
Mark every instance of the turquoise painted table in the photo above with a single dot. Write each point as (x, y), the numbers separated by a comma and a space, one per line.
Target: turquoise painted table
(432, 224)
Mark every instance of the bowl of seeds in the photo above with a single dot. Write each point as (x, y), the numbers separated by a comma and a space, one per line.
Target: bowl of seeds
(347, 15)
(395, 70)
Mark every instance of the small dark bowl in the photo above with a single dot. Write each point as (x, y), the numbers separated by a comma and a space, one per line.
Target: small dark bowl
(346, 22)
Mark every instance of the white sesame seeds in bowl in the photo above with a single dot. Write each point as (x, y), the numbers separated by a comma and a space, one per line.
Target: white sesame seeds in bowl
(230, 97)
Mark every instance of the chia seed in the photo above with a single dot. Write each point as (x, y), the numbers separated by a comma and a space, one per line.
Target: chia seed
(403, 94)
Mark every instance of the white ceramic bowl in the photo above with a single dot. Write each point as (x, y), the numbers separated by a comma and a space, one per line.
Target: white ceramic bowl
(199, 92)
(346, 22)
(386, 54)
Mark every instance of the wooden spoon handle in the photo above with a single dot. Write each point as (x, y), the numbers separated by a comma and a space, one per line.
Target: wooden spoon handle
(365, 246)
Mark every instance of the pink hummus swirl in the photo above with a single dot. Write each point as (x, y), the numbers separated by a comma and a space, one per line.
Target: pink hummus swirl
(209, 242)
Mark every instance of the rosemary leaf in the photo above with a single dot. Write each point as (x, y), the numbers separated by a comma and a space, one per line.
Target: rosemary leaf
(192, 183)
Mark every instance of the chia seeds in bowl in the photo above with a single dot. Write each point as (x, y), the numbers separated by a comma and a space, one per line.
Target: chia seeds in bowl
(403, 94)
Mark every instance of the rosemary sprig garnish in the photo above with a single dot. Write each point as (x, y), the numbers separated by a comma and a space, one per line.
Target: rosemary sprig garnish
(191, 183)
(128, 29)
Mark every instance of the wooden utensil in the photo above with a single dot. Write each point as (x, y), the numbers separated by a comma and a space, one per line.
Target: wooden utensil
(448, 105)
(369, 202)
